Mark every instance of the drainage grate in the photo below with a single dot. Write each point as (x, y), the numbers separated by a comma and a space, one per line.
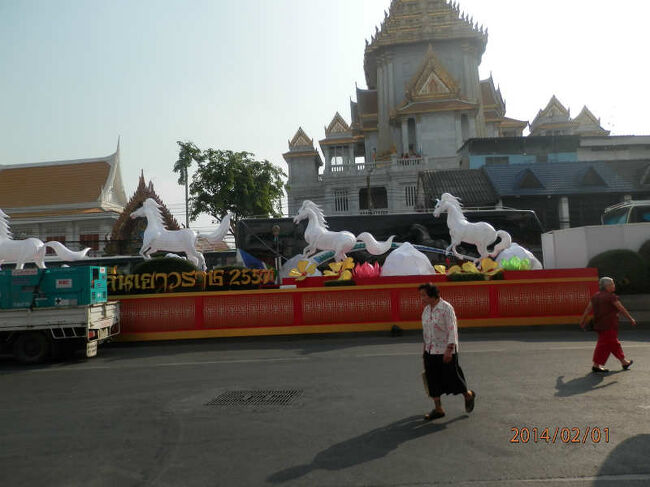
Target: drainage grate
(256, 398)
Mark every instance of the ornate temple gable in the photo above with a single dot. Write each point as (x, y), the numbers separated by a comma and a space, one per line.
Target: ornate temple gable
(125, 237)
(554, 118)
(432, 81)
(553, 113)
(301, 141)
(492, 101)
(411, 21)
(588, 124)
(338, 127)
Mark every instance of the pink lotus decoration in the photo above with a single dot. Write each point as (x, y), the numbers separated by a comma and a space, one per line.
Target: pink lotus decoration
(367, 270)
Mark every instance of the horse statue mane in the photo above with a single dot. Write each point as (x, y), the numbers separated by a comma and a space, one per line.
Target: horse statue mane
(5, 230)
(317, 209)
(318, 237)
(31, 249)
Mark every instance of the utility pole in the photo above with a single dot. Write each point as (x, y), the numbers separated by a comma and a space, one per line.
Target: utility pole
(187, 208)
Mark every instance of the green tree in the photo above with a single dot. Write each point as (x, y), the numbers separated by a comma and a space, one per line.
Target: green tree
(188, 153)
(227, 181)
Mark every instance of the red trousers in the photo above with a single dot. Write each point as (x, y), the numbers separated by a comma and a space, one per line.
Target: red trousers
(608, 343)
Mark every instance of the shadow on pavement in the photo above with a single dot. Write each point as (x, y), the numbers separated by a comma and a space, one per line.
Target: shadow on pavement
(581, 385)
(364, 448)
(628, 461)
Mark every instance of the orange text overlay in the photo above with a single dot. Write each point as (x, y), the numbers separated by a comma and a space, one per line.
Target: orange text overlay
(559, 434)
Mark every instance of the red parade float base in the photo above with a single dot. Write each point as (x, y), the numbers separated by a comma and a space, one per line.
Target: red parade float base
(541, 297)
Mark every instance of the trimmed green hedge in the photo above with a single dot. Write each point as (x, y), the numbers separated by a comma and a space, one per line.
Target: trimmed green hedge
(626, 267)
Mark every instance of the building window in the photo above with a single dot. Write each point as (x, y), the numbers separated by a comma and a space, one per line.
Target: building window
(57, 238)
(496, 160)
(378, 197)
(409, 195)
(89, 240)
(341, 201)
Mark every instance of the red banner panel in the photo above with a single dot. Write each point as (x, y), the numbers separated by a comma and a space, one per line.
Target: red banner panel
(543, 299)
(245, 310)
(351, 306)
(147, 315)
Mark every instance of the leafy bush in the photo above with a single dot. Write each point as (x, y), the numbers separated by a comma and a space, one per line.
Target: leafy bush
(164, 265)
(626, 267)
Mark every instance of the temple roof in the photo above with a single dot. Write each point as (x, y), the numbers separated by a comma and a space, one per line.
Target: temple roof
(37, 187)
(411, 21)
(588, 124)
(555, 115)
(494, 107)
(338, 127)
(301, 141)
(125, 238)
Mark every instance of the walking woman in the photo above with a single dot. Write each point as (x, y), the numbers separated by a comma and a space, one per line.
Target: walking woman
(440, 333)
(606, 307)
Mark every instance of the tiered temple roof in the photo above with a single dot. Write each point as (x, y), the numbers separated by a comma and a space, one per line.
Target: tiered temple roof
(411, 21)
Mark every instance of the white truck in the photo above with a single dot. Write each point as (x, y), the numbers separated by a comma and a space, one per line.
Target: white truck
(33, 335)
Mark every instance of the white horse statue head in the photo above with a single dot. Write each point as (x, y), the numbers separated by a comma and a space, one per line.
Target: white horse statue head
(318, 237)
(30, 249)
(481, 234)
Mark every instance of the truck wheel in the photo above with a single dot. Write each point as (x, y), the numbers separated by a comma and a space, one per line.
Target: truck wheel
(31, 348)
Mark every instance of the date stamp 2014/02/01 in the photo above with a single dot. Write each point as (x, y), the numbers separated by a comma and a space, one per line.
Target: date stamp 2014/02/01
(559, 434)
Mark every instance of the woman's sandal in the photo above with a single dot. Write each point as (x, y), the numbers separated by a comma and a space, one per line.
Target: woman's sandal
(469, 403)
(625, 367)
(433, 415)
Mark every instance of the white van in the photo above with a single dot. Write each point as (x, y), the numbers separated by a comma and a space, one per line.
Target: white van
(627, 212)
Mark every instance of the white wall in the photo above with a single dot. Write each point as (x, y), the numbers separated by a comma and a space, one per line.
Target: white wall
(574, 247)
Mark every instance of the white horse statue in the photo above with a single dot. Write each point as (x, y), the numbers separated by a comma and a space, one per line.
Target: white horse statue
(30, 249)
(157, 237)
(318, 237)
(480, 234)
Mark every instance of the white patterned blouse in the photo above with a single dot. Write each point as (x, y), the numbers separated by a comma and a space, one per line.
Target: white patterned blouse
(439, 327)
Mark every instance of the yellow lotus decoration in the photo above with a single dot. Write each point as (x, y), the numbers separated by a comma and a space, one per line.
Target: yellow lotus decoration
(455, 269)
(470, 268)
(488, 265)
(440, 269)
(341, 269)
(303, 269)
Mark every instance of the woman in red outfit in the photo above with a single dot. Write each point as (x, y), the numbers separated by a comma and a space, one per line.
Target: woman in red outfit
(606, 307)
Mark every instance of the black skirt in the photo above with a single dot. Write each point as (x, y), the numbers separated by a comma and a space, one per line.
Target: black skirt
(443, 378)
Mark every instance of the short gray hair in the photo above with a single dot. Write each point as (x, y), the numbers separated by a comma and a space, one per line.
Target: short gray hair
(604, 282)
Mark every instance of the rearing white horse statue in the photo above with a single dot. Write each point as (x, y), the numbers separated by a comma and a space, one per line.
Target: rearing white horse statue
(30, 249)
(318, 237)
(157, 237)
(480, 234)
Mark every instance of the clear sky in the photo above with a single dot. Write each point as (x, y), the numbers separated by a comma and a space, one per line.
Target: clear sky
(245, 74)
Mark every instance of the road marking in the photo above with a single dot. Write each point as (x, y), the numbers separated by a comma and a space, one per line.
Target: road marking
(64, 368)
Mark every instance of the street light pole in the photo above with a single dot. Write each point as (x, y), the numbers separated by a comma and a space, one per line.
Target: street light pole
(275, 229)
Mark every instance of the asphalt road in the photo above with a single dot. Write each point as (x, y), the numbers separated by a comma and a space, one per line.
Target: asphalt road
(137, 414)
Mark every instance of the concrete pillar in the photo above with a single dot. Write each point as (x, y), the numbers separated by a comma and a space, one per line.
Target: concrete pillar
(351, 154)
(405, 135)
(563, 212)
(328, 162)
